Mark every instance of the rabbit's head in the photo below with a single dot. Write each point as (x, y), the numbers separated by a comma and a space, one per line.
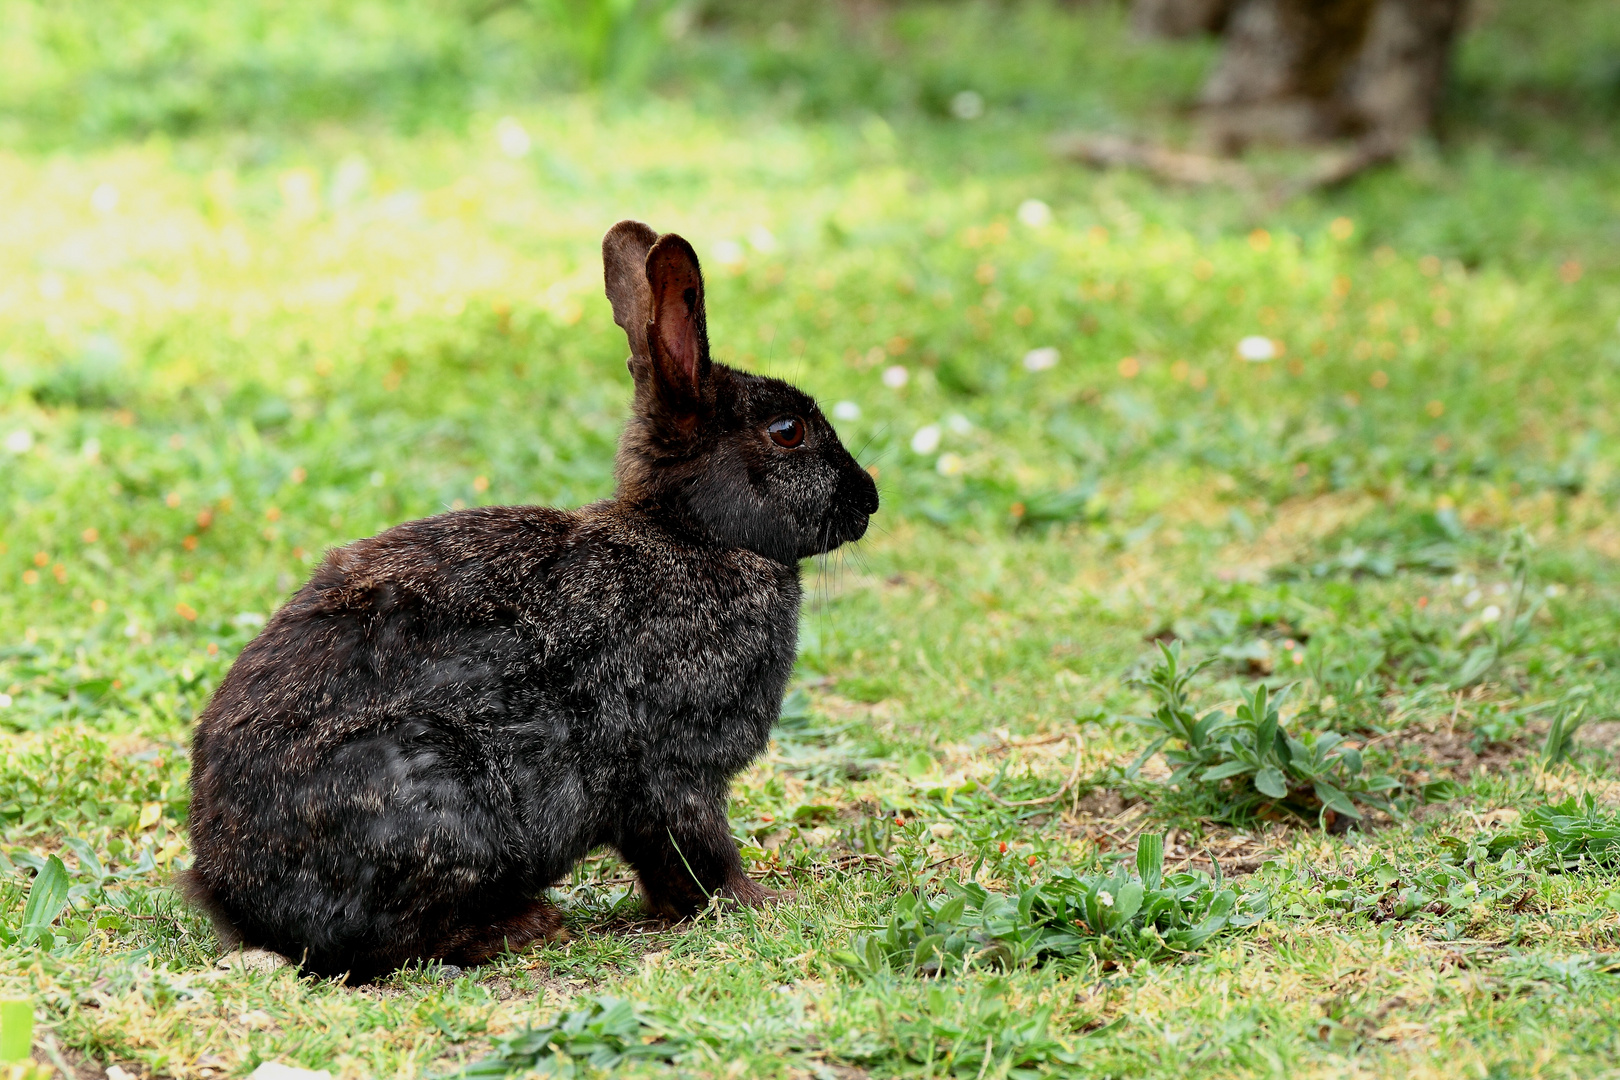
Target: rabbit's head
(748, 458)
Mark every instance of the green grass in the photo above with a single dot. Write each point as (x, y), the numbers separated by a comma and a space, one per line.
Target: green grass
(273, 280)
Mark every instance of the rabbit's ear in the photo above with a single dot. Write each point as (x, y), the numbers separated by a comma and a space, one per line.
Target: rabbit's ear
(624, 266)
(677, 336)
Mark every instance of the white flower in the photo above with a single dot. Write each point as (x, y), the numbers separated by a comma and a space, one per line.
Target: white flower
(950, 464)
(1256, 349)
(1472, 598)
(352, 178)
(20, 441)
(762, 239)
(846, 410)
(926, 441)
(728, 252)
(104, 200)
(5, 701)
(1490, 614)
(895, 377)
(967, 105)
(512, 138)
(1035, 213)
(1040, 359)
(958, 423)
(300, 192)
(1105, 898)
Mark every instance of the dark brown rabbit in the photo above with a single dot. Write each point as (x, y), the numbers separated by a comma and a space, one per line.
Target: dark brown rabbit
(450, 715)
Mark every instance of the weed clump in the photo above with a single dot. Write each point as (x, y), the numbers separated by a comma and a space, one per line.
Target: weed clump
(1237, 766)
(1571, 835)
(602, 1034)
(1115, 915)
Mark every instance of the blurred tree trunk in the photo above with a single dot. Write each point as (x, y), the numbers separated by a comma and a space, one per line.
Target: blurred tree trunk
(1305, 71)
(1179, 18)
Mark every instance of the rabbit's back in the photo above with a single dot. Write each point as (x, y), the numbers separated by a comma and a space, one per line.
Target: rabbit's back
(475, 612)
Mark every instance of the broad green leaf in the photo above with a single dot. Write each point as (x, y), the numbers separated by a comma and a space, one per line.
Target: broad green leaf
(876, 959)
(1270, 782)
(1212, 722)
(1336, 799)
(1128, 902)
(929, 949)
(1280, 747)
(1265, 723)
(1231, 768)
(46, 899)
(1150, 858)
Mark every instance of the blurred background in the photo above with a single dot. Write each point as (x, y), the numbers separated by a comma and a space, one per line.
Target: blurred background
(1081, 281)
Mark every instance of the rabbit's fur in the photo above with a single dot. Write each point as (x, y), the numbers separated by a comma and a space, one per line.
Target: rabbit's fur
(451, 714)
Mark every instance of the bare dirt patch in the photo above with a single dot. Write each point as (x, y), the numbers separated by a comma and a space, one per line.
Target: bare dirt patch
(1114, 824)
(1458, 755)
(1603, 735)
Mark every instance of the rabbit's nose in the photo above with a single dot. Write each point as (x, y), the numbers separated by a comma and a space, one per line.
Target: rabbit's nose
(866, 498)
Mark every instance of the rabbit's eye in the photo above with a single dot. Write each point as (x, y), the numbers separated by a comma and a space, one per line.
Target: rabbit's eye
(787, 432)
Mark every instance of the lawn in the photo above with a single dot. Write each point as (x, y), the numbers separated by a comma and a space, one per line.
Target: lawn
(273, 279)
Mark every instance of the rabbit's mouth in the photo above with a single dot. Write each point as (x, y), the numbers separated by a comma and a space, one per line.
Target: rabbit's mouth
(858, 502)
(846, 531)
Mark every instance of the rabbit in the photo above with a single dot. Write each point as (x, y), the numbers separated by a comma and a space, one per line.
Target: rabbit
(450, 715)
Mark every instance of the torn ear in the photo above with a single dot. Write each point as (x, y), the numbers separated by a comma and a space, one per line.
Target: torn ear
(624, 268)
(677, 336)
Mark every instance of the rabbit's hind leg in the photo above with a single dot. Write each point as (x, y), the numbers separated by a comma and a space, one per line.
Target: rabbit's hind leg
(472, 945)
(686, 861)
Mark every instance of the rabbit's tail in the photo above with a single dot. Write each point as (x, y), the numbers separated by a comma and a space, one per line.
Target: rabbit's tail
(199, 895)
